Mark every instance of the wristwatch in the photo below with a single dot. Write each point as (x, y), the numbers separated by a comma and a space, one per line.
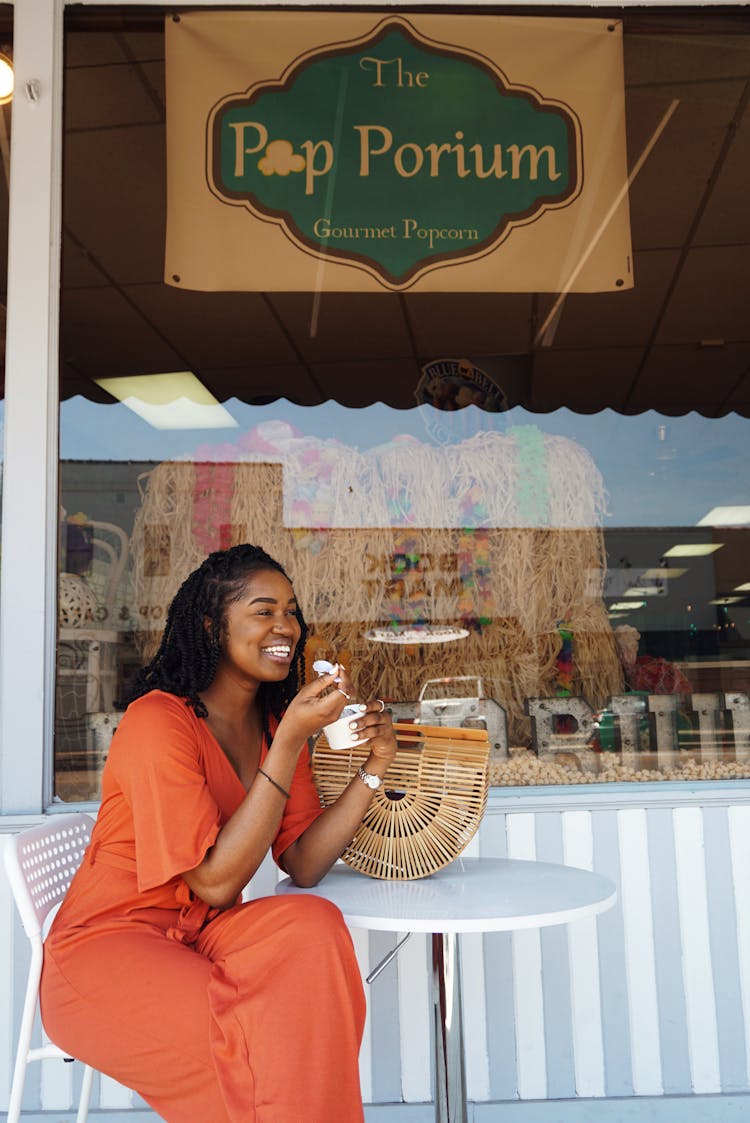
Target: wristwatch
(373, 782)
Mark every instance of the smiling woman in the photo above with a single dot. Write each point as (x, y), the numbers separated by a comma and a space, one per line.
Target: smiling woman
(262, 629)
(606, 485)
(209, 769)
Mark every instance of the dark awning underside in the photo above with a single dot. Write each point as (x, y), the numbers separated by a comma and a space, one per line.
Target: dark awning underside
(678, 341)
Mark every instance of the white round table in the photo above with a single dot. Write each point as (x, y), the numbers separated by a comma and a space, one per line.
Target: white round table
(470, 895)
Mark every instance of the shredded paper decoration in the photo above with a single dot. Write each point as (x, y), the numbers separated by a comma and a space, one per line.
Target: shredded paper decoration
(499, 535)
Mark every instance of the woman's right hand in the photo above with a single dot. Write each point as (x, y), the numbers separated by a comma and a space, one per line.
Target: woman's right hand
(315, 705)
(244, 839)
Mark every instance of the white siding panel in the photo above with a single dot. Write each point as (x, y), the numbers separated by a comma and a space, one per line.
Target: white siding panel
(529, 1014)
(414, 1017)
(739, 838)
(578, 840)
(360, 939)
(696, 950)
(583, 957)
(517, 1020)
(113, 1094)
(639, 952)
(475, 1016)
(521, 834)
(57, 1082)
(475, 1005)
(528, 998)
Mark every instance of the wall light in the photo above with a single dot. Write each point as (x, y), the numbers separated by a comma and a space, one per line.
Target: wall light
(6, 76)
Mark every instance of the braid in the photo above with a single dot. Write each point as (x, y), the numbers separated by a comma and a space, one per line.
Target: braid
(188, 654)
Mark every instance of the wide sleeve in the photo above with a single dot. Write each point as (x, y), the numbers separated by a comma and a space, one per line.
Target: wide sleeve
(302, 807)
(158, 760)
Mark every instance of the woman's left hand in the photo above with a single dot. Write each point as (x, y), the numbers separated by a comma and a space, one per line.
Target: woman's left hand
(315, 851)
(376, 725)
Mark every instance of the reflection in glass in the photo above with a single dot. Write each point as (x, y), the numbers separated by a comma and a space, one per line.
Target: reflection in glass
(538, 529)
(510, 533)
(2, 460)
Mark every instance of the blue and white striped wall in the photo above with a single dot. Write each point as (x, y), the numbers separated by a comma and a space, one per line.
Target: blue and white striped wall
(642, 1013)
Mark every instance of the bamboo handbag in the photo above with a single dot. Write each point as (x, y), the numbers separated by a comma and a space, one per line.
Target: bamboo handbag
(429, 807)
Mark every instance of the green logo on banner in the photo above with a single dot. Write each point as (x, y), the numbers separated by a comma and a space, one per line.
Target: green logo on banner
(394, 153)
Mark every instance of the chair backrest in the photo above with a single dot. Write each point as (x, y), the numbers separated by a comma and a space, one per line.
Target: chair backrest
(108, 566)
(40, 863)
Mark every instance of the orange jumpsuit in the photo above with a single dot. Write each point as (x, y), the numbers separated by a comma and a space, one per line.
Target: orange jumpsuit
(253, 1014)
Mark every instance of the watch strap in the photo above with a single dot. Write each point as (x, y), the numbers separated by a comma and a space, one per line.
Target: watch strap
(369, 778)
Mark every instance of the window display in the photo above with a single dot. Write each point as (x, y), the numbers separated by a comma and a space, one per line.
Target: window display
(6, 92)
(510, 616)
(2, 441)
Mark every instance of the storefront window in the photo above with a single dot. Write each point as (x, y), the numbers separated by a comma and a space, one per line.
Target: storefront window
(6, 91)
(518, 511)
(2, 444)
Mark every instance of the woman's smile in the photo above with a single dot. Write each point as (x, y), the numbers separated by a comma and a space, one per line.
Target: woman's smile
(279, 652)
(261, 629)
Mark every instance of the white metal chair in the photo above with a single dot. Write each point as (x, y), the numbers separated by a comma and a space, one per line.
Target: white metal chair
(40, 863)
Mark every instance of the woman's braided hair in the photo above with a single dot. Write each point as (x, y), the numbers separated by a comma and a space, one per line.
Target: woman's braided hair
(188, 654)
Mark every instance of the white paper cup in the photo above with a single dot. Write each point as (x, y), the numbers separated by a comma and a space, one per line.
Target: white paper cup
(339, 734)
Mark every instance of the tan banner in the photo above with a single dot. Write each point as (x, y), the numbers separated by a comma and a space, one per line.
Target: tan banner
(370, 152)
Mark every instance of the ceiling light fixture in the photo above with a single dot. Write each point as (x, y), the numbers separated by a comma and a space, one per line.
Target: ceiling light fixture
(726, 516)
(693, 549)
(177, 400)
(726, 600)
(666, 573)
(627, 605)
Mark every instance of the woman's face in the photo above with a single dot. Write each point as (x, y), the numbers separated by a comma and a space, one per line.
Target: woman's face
(261, 630)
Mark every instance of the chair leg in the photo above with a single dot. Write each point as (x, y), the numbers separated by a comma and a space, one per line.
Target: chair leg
(16, 1093)
(24, 1035)
(83, 1103)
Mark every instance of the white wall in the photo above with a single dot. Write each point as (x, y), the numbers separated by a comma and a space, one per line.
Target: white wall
(649, 1001)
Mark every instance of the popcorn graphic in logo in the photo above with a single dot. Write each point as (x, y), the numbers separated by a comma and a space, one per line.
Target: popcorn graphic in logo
(281, 159)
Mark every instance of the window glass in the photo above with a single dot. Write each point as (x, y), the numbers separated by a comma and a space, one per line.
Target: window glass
(2, 458)
(6, 89)
(540, 533)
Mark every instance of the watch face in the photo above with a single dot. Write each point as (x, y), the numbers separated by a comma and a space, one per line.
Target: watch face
(373, 782)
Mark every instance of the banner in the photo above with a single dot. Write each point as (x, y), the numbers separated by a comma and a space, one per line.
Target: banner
(360, 152)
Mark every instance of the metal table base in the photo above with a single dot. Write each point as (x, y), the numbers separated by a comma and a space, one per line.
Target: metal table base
(470, 895)
(447, 1019)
